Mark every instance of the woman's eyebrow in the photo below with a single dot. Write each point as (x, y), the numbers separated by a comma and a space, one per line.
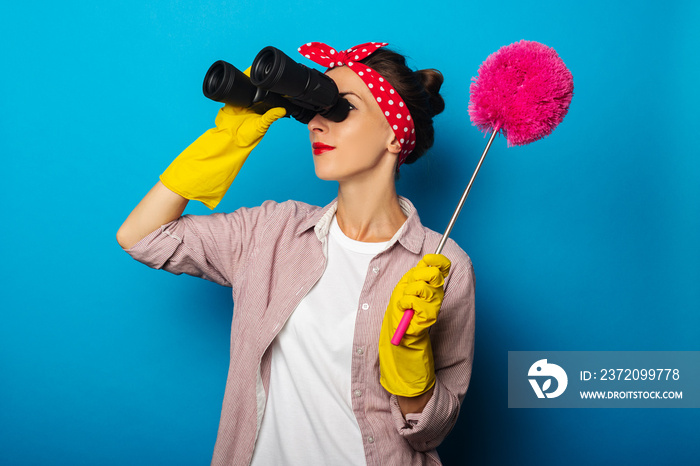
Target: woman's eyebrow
(343, 94)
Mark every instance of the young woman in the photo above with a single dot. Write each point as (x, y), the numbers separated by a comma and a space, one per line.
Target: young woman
(319, 291)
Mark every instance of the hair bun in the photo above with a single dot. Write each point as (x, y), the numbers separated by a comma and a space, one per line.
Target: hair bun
(432, 80)
(420, 91)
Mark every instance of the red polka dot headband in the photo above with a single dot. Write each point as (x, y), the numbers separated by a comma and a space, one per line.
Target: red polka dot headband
(389, 101)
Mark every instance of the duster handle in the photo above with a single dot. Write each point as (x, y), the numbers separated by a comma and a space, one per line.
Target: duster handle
(408, 313)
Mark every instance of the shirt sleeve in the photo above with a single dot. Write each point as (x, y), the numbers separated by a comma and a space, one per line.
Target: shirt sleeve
(214, 247)
(452, 338)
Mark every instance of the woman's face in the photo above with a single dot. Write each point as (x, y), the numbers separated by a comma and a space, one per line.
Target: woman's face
(358, 145)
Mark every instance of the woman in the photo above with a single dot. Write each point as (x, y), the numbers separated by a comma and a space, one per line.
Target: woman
(313, 377)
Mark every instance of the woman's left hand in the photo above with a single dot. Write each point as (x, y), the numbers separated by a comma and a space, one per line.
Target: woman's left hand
(407, 369)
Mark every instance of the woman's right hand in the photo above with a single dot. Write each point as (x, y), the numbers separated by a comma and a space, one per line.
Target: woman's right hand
(205, 170)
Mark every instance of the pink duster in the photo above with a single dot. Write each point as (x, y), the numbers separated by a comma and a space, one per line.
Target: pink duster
(523, 91)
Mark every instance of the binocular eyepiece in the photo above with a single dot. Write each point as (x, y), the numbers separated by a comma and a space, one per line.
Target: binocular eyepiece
(276, 81)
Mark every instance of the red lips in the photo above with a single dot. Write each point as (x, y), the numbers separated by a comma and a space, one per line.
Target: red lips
(319, 148)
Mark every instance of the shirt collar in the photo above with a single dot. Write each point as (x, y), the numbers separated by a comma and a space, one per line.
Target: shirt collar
(410, 235)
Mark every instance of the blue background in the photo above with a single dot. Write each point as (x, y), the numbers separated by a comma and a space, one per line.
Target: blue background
(586, 240)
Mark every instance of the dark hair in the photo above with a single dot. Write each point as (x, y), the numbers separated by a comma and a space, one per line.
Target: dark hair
(420, 90)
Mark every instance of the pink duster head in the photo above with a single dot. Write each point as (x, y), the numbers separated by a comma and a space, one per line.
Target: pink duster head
(523, 90)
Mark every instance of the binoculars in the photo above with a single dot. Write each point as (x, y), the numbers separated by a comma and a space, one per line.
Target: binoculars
(276, 81)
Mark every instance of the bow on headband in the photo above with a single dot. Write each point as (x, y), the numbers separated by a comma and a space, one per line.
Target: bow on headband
(391, 104)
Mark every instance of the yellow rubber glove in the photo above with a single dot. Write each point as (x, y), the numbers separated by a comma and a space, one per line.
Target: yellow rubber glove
(407, 369)
(205, 170)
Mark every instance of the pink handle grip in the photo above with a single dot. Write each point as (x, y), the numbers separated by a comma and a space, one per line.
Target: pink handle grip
(403, 326)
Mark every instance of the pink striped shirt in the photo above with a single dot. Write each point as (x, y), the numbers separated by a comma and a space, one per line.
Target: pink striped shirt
(271, 256)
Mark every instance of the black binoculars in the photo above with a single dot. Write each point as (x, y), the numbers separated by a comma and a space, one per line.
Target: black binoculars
(276, 81)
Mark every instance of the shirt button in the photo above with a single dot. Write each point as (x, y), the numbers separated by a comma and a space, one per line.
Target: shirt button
(360, 350)
(370, 439)
(358, 393)
(375, 269)
(365, 306)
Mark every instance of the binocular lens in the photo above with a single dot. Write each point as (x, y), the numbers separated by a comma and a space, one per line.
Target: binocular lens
(268, 70)
(225, 83)
(264, 67)
(213, 79)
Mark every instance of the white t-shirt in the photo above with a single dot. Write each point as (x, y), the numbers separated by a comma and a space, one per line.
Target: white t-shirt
(308, 417)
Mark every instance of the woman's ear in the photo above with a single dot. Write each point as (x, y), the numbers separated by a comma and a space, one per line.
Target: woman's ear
(394, 145)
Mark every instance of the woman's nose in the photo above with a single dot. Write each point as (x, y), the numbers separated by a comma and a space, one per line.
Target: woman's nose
(318, 124)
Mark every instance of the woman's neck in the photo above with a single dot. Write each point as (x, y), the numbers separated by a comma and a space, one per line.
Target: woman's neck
(369, 214)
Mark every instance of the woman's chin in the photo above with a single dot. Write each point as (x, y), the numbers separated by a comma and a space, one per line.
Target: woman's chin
(325, 172)
(322, 175)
